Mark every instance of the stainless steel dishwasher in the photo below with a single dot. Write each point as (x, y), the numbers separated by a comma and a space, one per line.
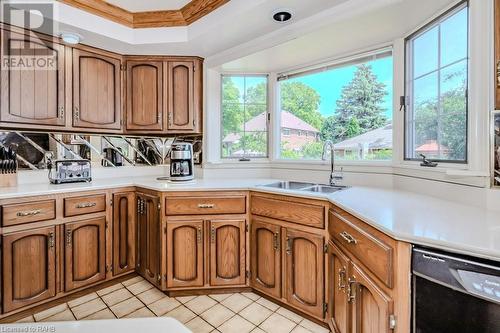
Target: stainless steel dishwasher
(453, 293)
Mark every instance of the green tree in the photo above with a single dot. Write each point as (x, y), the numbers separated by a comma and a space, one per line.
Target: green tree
(359, 108)
(232, 112)
(302, 101)
(445, 122)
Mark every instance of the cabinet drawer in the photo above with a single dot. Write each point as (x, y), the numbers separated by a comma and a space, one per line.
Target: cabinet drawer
(84, 205)
(13, 214)
(205, 205)
(288, 210)
(370, 250)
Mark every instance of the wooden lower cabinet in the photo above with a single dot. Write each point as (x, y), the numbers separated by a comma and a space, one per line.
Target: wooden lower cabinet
(304, 269)
(148, 235)
(29, 267)
(85, 252)
(371, 307)
(227, 252)
(185, 253)
(124, 232)
(265, 257)
(338, 273)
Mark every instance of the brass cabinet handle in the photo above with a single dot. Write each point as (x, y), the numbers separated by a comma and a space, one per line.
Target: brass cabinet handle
(199, 235)
(77, 113)
(206, 205)
(212, 234)
(289, 246)
(86, 205)
(348, 237)
(51, 240)
(342, 275)
(351, 293)
(68, 236)
(498, 73)
(29, 213)
(276, 241)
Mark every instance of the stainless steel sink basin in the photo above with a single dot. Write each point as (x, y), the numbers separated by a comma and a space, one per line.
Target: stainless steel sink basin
(289, 185)
(306, 187)
(324, 188)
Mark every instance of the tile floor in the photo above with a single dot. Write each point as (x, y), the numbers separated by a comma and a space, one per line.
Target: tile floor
(226, 313)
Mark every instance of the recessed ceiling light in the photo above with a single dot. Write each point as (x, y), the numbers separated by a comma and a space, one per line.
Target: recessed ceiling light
(282, 16)
(71, 38)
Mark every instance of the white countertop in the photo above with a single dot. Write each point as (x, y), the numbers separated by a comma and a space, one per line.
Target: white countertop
(403, 215)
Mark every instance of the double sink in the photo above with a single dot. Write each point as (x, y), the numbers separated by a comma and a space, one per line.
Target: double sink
(306, 187)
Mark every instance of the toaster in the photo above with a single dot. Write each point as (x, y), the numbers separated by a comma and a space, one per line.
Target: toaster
(69, 171)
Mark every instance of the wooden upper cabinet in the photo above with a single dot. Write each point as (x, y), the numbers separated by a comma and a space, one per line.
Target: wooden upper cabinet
(265, 257)
(304, 271)
(144, 96)
(124, 232)
(29, 267)
(180, 96)
(371, 307)
(32, 95)
(184, 253)
(227, 252)
(338, 273)
(96, 90)
(85, 252)
(148, 235)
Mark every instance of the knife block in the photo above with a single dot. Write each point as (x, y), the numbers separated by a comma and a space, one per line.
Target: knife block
(8, 179)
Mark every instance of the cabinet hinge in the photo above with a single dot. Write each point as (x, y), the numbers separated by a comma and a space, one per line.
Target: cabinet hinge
(325, 308)
(248, 274)
(109, 269)
(107, 224)
(392, 321)
(325, 248)
(246, 227)
(111, 202)
(123, 67)
(159, 206)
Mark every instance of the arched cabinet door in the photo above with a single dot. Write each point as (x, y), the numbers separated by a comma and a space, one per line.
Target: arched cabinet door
(144, 95)
(227, 252)
(29, 267)
(371, 307)
(184, 253)
(149, 238)
(181, 99)
(124, 232)
(33, 93)
(96, 90)
(338, 273)
(304, 271)
(265, 259)
(85, 252)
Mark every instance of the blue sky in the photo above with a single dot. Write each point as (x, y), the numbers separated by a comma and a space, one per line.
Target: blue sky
(329, 84)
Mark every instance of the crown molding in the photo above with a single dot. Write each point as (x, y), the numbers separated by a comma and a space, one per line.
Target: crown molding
(188, 14)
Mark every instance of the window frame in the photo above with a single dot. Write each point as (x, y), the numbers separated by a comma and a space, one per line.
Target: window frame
(382, 51)
(408, 65)
(268, 117)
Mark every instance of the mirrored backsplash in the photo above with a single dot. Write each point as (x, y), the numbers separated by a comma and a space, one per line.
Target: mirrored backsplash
(35, 149)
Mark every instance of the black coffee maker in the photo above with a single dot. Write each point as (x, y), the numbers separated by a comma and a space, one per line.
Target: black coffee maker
(181, 161)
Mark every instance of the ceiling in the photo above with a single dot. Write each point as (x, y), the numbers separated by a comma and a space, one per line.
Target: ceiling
(354, 32)
(148, 5)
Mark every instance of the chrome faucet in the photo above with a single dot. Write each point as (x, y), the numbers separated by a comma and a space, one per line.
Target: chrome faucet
(335, 178)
